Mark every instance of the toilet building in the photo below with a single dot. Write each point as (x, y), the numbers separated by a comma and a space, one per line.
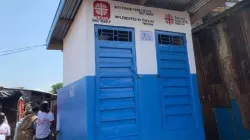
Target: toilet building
(129, 73)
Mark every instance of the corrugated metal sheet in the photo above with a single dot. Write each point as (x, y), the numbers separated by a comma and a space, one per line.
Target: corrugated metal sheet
(197, 6)
(179, 5)
(68, 13)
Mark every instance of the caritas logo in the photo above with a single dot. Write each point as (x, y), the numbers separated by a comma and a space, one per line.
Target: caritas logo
(169, 19)
(102, 10)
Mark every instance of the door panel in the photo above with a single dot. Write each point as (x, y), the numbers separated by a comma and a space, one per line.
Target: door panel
(175, 82)
(116, 83)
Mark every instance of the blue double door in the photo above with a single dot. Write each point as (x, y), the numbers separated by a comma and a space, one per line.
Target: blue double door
(117, 110)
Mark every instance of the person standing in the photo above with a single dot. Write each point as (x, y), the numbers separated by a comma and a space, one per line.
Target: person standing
(27, 126)
(44, 120)
(4, 127)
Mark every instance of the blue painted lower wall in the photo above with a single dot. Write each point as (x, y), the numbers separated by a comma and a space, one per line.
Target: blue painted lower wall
(242, 133)
(225, 124)
(76, 106)
(230, 123)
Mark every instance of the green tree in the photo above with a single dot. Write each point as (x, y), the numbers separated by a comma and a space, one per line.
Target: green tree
(55, 87)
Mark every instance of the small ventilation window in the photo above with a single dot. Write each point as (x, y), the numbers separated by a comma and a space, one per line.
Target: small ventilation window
(114, 35)
(171, 40)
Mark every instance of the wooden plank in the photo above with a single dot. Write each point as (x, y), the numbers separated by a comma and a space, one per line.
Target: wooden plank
(199, 67)
(238, 32)
(231, 38)
(225, 59)
(212, 88)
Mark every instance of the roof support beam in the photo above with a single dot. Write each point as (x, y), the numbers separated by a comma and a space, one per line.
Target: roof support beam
(203, 11)
(65, 21)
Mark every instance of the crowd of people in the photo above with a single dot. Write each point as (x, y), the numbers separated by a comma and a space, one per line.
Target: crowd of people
(35, 124)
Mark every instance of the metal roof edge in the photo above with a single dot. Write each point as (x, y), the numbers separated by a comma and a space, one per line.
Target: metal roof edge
(55, 21)
(16, 89)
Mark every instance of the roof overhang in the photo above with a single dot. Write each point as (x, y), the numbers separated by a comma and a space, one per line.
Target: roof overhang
(52, 43)
(67, 10)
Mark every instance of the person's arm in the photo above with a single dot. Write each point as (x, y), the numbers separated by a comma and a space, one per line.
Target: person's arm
(51, 118)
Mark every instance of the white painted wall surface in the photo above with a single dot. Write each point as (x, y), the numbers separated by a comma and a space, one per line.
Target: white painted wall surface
(79, 45)
(145, 51)
(75, 50)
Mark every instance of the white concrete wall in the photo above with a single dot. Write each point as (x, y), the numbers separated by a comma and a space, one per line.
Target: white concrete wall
(79, 45)
(75, 49)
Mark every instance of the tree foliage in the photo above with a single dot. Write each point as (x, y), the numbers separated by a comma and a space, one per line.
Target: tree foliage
(55, 87)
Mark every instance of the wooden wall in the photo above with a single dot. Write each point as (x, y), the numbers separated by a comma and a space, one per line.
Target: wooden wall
(222, 52)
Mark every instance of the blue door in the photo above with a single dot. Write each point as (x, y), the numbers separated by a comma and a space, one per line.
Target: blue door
(175, 83)
(116, 88)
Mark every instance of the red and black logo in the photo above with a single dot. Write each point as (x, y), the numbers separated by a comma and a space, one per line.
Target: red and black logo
(169, 19)
(102, 10)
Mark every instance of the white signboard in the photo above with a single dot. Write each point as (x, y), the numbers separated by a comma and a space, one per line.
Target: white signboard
(146, 36)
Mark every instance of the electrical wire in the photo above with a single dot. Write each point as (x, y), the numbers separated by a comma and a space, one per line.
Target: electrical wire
(23, 48)
(35, 46)
(18, 50)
